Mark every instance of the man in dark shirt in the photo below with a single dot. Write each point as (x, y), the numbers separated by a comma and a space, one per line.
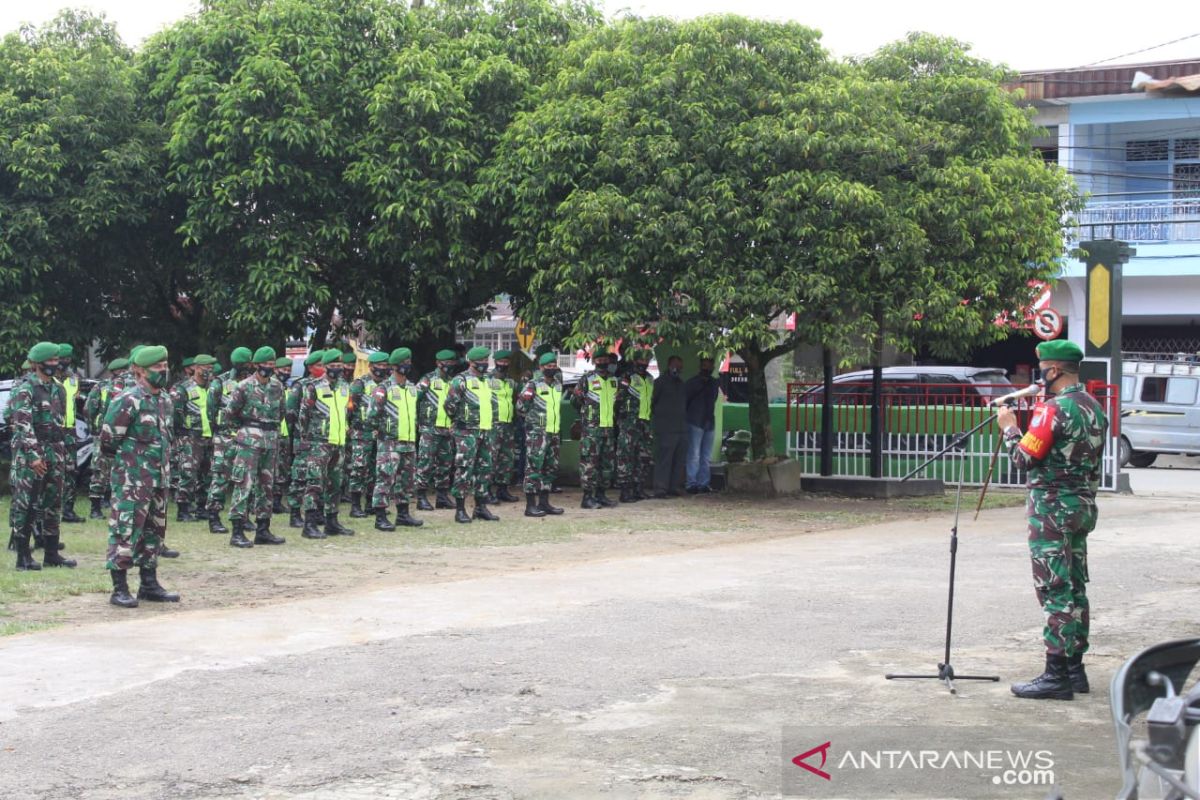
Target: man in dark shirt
(669, 412)
(701, 394)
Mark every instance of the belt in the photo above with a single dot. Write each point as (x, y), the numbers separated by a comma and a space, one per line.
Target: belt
(266, 426)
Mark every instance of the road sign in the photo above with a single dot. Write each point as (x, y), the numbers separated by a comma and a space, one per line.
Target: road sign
(1047, 324)
(525, 334)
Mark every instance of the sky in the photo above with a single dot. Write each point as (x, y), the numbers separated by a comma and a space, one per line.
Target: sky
(1024, 36)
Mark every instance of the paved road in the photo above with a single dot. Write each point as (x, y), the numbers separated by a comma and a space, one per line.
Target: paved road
(656, 677)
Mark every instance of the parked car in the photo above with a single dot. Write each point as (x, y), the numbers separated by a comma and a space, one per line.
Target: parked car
(938, 385)
(1160, 409)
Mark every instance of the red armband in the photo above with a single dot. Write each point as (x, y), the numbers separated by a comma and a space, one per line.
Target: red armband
(1038, 439)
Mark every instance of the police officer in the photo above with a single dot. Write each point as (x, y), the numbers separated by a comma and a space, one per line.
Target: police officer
(1062, 453)
(471, 406)
(540, 405)
(220, 390)
(435, 453)
(95, 408)
(393, 421)
(313, 370)
(323, 423)
(70, 384)
(595, 398)
(193, 435)
(254, 411)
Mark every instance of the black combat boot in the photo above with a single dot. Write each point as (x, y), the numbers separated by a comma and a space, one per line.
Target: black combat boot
(490, 498)
(406, 519)
(263, 535)
(460, 511)
(356, 509)
(50, 556)
(167, 552)
(444, 501)
(588, 501)
(295, 520)
(214, 523)
(25, 559)
(544, 503)
(238, 539)
(382, 523)
(627, 495)
(200, 513)
(312, 525)
(483, 512)
(603, 500)
(532, 509)
(151, 590)
(1053, 684)
(1079, 679)
(335, 528)
(505, 496)
(277, 505)
(423, 503)
(640, 492)
(95, 513)
(183, 513)
(69, 515)
(120, 594)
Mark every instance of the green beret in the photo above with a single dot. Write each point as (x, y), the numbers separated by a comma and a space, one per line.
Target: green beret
(548, 358)
(217, 366)
(187, 362)
(446, 355)
(264, 354)
(66, 351)
(400, 355)
(330, 356)
(283, 362)
(117, 364)
(1059, 350)
(499, 354)
(313, 358)
(134, 352)
(149, 356)
(478, 353)
(42, 351)
(350, 357)
(241, 355)
(204, 360)
(378, 357)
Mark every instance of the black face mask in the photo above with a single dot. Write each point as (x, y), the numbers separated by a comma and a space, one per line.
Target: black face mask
(643, 369)
(266, 372)
(404, 369)
(380, 374)
(501, 369)
(50, 369)
(283, 376)
(480, 366)
(549, 374)
(334, 375)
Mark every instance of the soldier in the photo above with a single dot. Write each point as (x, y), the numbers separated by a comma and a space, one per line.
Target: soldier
(95, 407)
(323, 424)
(435, 454)
(362, 442)
(220, 390)
(503, 444)
(136, 434)
(193, 435)
(292, 398)
(471, 407)
(70, 384)
(1062, 453)
(283, 445)
(393, 420)
(36, 410)
(595, 398)
(254, 411)
(634, 434)
(540, 405)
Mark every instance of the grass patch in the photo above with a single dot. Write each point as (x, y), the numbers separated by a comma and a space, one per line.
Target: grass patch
(970, 498)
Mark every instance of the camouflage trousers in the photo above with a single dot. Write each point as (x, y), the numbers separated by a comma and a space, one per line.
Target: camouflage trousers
(541, 460)
(175, 470)
(360, 475)
(395, 473)
(299, 473)
(472, 463)
(504, 453)
(435, 459)
(253, 479)
(98, 487)
(70, 470)
(596, 458)
(1058, 530)
(635, 460)
(323, 477)
(137, 526)
(218, 474)
(194, 454)
(36, 499)
(283, 464)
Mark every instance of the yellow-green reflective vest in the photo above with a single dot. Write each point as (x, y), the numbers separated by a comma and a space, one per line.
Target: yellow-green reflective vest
(404, 407)
(504, 402)
(644, 387)
(200, 398)
(552, 397)
(440, 389)
(71, 384)
(333, 404)
(283, 429)
(606, 390)
(482, 391)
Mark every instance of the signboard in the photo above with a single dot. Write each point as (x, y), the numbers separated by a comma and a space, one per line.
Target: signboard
(525, 335)
(1047, 324)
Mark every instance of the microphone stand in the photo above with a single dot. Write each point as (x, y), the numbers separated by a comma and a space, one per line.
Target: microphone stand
(945, 672)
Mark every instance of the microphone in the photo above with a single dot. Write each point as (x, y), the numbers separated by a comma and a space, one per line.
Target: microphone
(1028, 391)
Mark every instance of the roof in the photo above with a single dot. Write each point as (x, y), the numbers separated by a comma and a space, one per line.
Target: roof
(1056, 84)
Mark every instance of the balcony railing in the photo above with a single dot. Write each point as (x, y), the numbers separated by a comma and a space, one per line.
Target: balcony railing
(1176, 220)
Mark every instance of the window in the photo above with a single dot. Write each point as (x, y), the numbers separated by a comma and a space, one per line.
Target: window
(1187, 148)
(1181, 391)
(1187, 188)
(1147, 150)
(1154, 390)
(1127, 383)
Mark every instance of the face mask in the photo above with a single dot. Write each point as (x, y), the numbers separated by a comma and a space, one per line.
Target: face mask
(501, 369)
(549, 374)
(266, 372)
(404, 369)
(50, 369)
(283, 376)
(158, 379)
(380, 374)
(446, 369)
(480, 366)
(202, 378)
(674, 372)
(612, 369)
(643, 368)
(334, 375)
(317, 372)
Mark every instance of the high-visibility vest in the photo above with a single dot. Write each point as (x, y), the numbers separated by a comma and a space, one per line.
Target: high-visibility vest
(334, 402)
(504, 402)
(441, 390)
(482, 391)
(71, 384)
(200, 398)
(404, 408)
(552, 397)
(643, 388)
(283, 429)
(606, 390)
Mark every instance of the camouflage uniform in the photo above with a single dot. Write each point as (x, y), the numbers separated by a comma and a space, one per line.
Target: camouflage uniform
(299, 443)
(1062, 452)
(193, 442)
(96, 407)
(595, 398)
(503, 445)
(540, 403)
(70, 384)
(35, 414)
(635, 436)
(471, 405)
(137, 435)
(283, 454)
(361, 474)
(323, 412)
(254, 410)
(392, 419)
(220, 390)
(435, 454)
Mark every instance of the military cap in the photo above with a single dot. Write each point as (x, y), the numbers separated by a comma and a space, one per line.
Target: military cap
(66, 351)
(283, 362)
(400, 355)
(349, 357)
(241, 355)
(149, 356)
(1059, 350)
(42, 351)
(378, 357)
(187, 362)
(133, 352)
(548, 358)
(446, 355)
(313, 358)
(118, 363)
(499, 354)
(264, 354)
(204, 360)
(478, 353)
(330, 356)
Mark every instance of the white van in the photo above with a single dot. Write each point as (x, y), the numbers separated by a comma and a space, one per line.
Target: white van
(1160, 407)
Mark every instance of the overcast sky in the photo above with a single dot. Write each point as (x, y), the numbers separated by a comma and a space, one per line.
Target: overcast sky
(1025, 35)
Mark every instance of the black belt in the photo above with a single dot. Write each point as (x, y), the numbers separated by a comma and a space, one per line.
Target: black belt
(265, 426)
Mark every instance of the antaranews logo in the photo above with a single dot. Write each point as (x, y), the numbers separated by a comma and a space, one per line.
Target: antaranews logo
(802, 760)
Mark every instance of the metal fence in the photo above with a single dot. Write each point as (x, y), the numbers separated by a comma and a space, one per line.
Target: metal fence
(1175, 220)
(918, 421)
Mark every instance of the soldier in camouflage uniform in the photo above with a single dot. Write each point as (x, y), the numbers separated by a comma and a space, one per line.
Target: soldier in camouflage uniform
(300, 444)
(393, 420)
(283, 445)
(254, 411)
(435, 453)
(95, 408)
(595, 398)
(634, 433)
(193, 436)
(540, 405)
(361, 472)
(137, 434)
(1062, 453)
(35, 413)
(70, 384)
(220, 390)
(323, 412)
(503, 443)
(471, 405)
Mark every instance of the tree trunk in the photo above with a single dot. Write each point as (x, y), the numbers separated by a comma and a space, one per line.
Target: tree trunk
(761, 441)
(877, 426)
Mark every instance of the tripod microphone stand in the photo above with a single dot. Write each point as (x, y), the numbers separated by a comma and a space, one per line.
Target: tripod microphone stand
(945, 671)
